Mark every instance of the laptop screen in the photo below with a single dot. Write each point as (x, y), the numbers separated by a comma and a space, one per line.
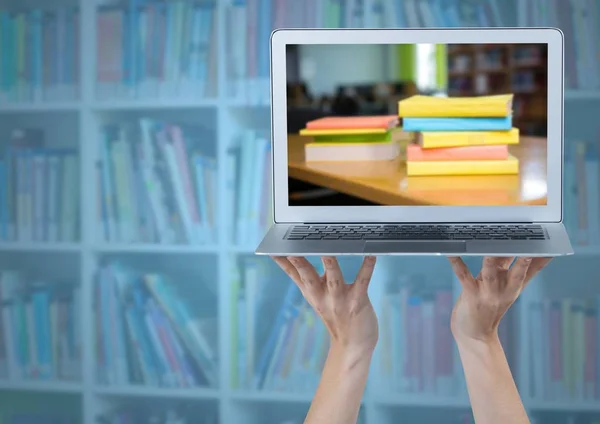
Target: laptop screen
(417, 124)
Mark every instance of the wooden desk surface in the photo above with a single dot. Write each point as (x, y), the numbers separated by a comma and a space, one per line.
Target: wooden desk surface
(386, 183)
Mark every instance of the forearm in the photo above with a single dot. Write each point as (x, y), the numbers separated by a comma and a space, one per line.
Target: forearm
(340, 391)
(492, 390)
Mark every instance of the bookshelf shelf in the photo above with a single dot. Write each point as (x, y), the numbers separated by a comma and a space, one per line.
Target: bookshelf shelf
(154, 104)
(582, 95)
(271, 397)
(561, 406)
(40, 247)
(165, 393)
(7, 108)
(156, 248)
(420, 400)
(42, 386)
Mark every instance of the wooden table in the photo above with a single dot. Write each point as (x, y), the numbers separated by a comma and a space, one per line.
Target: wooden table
(386, 183)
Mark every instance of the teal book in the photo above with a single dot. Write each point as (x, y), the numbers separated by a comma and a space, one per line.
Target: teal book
(457, 124)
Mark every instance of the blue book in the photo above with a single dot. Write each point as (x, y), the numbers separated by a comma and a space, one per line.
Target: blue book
(457, 124)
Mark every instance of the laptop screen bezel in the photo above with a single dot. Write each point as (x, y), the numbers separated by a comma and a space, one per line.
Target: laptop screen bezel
(551, 212)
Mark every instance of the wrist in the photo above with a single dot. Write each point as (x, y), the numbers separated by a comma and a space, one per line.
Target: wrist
(481, 347)
(350, 357)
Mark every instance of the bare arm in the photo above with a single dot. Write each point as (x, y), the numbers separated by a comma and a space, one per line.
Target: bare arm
(480, 307)
(492, 390)
(352, 324)
(341, 389)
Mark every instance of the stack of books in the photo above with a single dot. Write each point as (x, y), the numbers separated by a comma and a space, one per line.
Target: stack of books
(459, 135)
(352, 138)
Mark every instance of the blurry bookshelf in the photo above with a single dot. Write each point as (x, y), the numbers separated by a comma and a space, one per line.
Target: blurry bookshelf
(281, 350)
(155, 184)
(147, 334)
(416, 355)
(130, 139)
(41, 333)
(156, 50)
(161, 412)
(40, 55)
(476, 70)
(248, 188)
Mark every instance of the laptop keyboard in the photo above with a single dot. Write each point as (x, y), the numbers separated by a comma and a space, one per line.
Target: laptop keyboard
(417, 232)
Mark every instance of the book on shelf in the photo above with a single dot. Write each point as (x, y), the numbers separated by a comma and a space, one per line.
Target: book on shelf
(426, 13)
(563, 337)
(581, 198)
(578, 20)
(38, 418)
(39, 55)
(39, 190)
(279, 344)
(146, 333)
(40, 329)
(156, 184)
(416, 354)
(156, 50)
(172, 413)
(249, 187)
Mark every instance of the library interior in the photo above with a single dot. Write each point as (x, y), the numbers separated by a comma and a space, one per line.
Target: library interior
(135, 159)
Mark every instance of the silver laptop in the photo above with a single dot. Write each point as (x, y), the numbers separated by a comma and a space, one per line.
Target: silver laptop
(389, 142)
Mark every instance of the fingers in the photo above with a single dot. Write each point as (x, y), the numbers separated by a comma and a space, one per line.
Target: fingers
(495, 264)
(333, 274)
(537, 264)
(365, 273)
(462, 273)
(518, 272)
(308, 274)
(289, 269)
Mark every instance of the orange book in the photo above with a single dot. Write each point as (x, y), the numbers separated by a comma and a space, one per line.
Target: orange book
(414, 152)
(353, 122)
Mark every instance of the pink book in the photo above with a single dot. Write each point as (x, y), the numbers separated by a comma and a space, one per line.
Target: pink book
(169, 349)
(252, 16)
(279, 14)
(414, 342)
(353, 122)
(582, 193)
(591, 324)
(182, 163)
(556, 369)
(151, 28)
(416, 153)
(444, 349)
(109, 44)
(428, 346)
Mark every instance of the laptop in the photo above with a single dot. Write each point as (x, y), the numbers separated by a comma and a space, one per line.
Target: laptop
(459, 167)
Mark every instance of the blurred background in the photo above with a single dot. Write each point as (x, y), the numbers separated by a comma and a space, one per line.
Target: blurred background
(130, 293)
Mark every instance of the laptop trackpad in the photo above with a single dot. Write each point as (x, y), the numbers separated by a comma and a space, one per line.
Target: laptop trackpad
(395, 246)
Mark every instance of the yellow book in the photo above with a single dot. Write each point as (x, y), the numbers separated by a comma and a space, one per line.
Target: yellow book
(456, 107)
(437, 139)
(463, 167)
(338, 131)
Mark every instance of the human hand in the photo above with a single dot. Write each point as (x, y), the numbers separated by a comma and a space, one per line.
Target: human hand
(344, 308)
(486, 298)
